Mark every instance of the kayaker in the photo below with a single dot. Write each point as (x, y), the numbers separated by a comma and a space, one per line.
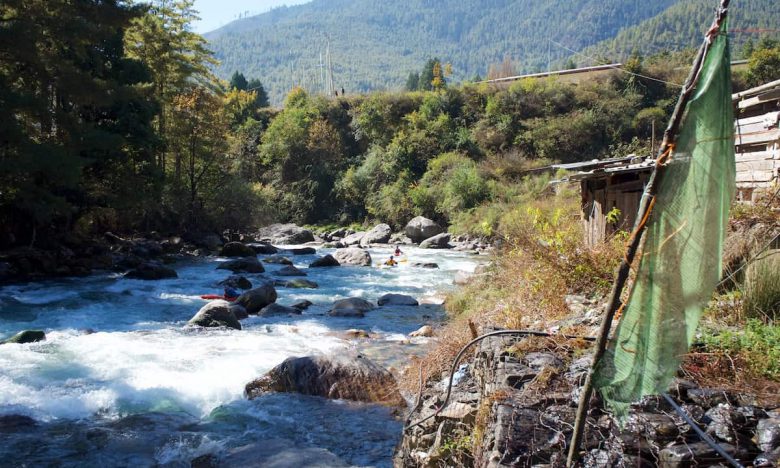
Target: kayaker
(398, 250)
(391, 261)
(230, 293)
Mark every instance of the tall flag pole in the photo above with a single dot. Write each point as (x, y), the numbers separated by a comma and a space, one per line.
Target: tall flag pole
(680, 227)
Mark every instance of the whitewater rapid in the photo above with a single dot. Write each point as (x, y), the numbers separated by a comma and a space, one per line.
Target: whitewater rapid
(121, 380)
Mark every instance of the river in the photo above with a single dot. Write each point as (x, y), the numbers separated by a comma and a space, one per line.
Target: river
(120, 380)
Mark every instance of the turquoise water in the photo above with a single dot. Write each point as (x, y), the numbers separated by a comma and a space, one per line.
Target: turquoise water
(121, 381)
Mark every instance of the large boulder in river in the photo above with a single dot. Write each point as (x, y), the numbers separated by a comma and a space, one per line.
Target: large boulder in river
(236, 281)
(421, 228)
(151, 271)
(236, 249)
(439, 241)
(352, 256)
(277, 309)
(379, 234)
(346, 376)
(26, 336)
(326, 261)
(257, 298)
(302, 251)
(278, 260)
(289, 270)
(285, 234)
(246, 264)
(397, 299)
(350, 307)
(264, 249)
(297, 283)
(353, 239)
(216, 314)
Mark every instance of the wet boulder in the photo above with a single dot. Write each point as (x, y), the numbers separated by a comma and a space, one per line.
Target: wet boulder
(350, 307)
(326, 261)
(430, 265)
(16, 422)
(274, 453)
(239, 311)
(397, 299)
(302, 251)
(277, 309)
(264, 249)
(421, 228)
(379, 234)
(26, 336)
(347, 376)
(285, 234)
(245, 265)
(352, 256)
(424, 331)
(302, 304)
(151, 271)
(297, 283)
(439, 241)
(278, 260)
(236, 249)
(216, 314)
(257, 298)
(289, 270)
(236, 281)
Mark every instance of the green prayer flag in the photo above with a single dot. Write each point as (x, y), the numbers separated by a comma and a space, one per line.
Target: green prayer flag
(680, 262)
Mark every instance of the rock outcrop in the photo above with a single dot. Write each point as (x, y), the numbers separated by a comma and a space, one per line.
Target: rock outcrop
(285, 234)
(325, 261)
(151, 271)
(421, 228)
(216, 314)
(26, 336)
(379, 234)
(244, 265)
(257, 298)
(236, 249)
(350, 307)
(397, 299)
(346, 376)
(439, 241)
(352, 256)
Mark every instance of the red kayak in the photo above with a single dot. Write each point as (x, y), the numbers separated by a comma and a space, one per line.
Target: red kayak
(217, 296)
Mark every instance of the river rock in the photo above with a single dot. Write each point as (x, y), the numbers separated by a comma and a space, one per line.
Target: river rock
(768, 434)
(354, 333)
(236, 281)
(16, 422)
(246, 265)
(302, 304)
(345, 376)
(26, 336)
(400, 238)
(298, 283)
(275, 453)
(326, 261)
(239, 311)
(236, 249)
(208, 240)
(264, 249)
(397, 299)
(379, 234)
(350, 307)
(421, 228)
(684, 455)
(289, 270)
(425, 331)
(285, 234)
(352, 239)
(276, 309)
(302, 251)
(278, 260)
(216, 314)
(352, 256)
(151, 271)
(439, 241)
(257, 298)
(430, 265)
(768, 459)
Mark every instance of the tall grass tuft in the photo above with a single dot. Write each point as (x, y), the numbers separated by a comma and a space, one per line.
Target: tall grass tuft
(762, 288)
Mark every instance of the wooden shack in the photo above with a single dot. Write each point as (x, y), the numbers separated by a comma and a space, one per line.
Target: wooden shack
(611, 191)
(757, 139)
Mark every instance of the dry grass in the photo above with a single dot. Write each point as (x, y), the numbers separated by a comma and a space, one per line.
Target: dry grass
(732, 373)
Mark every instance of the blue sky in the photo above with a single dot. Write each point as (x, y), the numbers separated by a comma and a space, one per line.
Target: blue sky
(216, 13)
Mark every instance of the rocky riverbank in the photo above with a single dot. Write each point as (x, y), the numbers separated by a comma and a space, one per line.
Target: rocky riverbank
(514, 405)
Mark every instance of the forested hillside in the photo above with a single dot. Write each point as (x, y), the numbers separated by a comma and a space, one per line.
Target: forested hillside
(375, 44)
(682, 25)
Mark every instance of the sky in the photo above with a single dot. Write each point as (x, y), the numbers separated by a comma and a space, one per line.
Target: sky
(216, 13)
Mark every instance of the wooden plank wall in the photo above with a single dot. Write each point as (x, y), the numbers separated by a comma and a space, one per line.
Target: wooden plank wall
(757, 142)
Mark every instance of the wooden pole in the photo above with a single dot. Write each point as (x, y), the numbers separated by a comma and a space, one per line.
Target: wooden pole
(636, 237)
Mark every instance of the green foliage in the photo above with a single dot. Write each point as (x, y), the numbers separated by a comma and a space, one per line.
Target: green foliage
(764, 63)
(758, 344)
